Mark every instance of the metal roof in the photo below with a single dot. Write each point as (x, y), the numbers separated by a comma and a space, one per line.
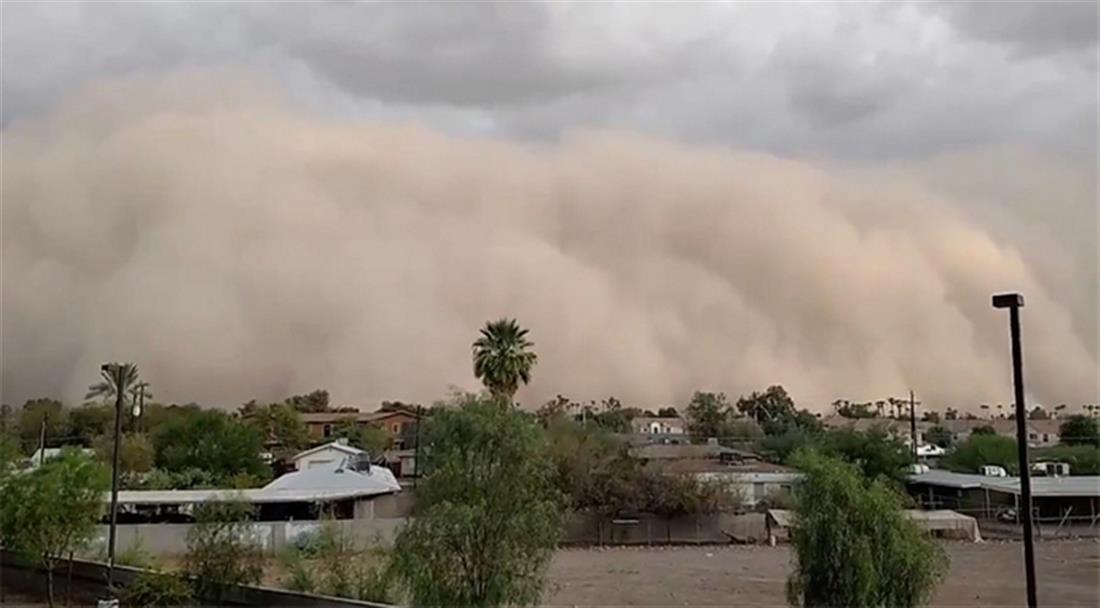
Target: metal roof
(1081, 485)
(949, 479)
(312, 485)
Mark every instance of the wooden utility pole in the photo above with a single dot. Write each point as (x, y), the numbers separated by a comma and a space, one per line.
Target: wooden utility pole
(913, 422)
(42, 435)
(114, 369)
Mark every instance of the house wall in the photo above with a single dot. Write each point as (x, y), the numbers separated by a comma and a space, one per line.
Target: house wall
(751, 488)
(392, 424)
(270, 537)
(328, 456)
(717, 528)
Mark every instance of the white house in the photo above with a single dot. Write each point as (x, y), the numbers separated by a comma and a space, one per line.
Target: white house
(41, 455)
(664, 425)
(328, 455)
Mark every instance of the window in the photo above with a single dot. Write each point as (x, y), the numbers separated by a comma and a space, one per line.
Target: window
(1033, 436)
(395, 428)
(1046, 437)
(326, 431)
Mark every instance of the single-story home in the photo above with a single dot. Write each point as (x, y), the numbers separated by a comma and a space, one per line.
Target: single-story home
(348, 489)
(326, 455)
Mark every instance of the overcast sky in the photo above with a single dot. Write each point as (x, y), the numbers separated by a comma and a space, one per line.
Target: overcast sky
(838, 81)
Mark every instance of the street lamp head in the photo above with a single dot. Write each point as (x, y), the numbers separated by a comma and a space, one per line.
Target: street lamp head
(1008, 300)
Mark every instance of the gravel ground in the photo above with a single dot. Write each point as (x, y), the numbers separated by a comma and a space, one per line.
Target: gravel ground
(982, 574)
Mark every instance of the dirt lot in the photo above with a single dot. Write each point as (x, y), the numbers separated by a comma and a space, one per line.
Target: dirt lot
(982, 574)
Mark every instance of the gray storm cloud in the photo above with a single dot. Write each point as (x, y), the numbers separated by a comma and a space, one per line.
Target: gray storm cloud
(235, 246)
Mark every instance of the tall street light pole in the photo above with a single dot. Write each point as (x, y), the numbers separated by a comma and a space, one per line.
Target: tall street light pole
(1014, 302)
(115, 371)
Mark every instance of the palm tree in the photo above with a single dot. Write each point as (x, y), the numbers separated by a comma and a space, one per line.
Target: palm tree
(117, 378)
(502, 358)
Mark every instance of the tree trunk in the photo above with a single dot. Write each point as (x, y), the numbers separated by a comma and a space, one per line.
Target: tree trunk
(69, 582)
(49, 585)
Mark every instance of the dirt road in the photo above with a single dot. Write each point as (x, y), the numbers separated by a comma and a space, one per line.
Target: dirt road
(982, 574)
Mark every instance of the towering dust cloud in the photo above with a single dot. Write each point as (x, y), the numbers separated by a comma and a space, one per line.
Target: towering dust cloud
(236, 247)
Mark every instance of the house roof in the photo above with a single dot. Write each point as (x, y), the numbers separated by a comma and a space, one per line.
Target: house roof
(714, 466)
(331, 417)
(312, 485)
(1081, 485)
(372, 480)
(866, 424)
(657, 451)
(335, 445)
(949, 479)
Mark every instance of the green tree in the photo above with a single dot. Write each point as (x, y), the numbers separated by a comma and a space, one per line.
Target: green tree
(278, 423)
(614, 417)
(668, 412)
(315, 401)
(50, 512)
(489, 516)
(1080, 430)
(89, 421)
(985, 429)
(707, 414)
(212, 441)
(772, 405)
(31, 417)
(981, 450)
(779, 447)
(10, 454)
(875, 452)
(852, 544)
(848, 409)
(503, 358)
(940, 436)
(1082, 459)
(220, 552)
(135, 455)
(368, 437)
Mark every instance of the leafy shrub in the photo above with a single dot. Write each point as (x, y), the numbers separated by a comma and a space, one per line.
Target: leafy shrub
(136, 555)
(220, 552)
(156, 588)
(1082, 459)
(980, 450)
(298, 577)
(852, 544)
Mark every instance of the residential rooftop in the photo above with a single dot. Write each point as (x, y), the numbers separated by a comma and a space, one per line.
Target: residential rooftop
(1080, 485)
